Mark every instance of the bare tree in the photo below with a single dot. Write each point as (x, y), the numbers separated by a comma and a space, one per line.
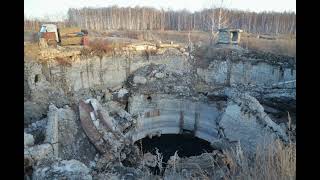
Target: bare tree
(142, 18)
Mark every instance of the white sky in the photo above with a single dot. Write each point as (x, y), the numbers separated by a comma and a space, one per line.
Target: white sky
(58, 8)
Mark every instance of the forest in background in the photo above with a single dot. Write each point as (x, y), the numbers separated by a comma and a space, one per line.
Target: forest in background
(145, 18)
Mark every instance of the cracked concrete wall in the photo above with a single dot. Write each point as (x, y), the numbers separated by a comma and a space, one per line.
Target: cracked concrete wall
(90, 72)
(109, 72)
(245, 121)
(245, 72)
(168, 114)
(239, 119)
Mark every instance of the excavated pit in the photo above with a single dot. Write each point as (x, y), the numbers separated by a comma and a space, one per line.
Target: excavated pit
(168, 102)
(186, 145)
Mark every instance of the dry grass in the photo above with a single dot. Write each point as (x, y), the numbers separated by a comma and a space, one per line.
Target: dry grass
(164, 36)
(272, 161)
(134, 35)
(101, 46)
(63, 61)
(182, 36)
(104, 47)
(31, 50)
(282, 46)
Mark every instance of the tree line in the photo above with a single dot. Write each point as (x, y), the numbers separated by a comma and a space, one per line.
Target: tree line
(145, 18)
(34, 25)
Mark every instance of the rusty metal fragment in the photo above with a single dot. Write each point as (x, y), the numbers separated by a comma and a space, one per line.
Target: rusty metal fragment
(89, 128)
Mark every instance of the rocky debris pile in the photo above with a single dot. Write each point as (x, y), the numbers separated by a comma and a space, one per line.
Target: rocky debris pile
(67, 144)
(214, 165)
(244, 120)
(62, 169)
(38, 152)
(57, 136)
(161, 79)
(287, 61)
(121, 172)
(204, 55)
(34, 155)
(37, 129)
(277, 103)
(122, 118)
(106, 128)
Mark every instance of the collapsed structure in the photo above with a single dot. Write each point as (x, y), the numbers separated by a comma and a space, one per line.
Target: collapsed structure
(90, 112)
(229, 36)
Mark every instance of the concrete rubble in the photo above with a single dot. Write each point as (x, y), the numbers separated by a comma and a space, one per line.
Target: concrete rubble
(28, 140)
(83, 121)
(215, 164)
(65, 169)
(139, 80)
(39, 152)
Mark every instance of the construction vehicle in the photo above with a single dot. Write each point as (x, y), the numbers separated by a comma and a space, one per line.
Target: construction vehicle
(63, 36)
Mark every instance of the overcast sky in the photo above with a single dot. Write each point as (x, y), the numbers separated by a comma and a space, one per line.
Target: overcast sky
(59, 8)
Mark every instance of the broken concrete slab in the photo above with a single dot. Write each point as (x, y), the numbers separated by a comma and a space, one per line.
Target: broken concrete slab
(67, 144)
(245, 121)
(89, 127)
(122, 92)
(52, 130)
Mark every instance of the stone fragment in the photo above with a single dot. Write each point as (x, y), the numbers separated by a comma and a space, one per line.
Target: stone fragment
(28, 140)
(150, 160)
(39, 152)
(122, 92)
(139, 80)
(159, 75)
